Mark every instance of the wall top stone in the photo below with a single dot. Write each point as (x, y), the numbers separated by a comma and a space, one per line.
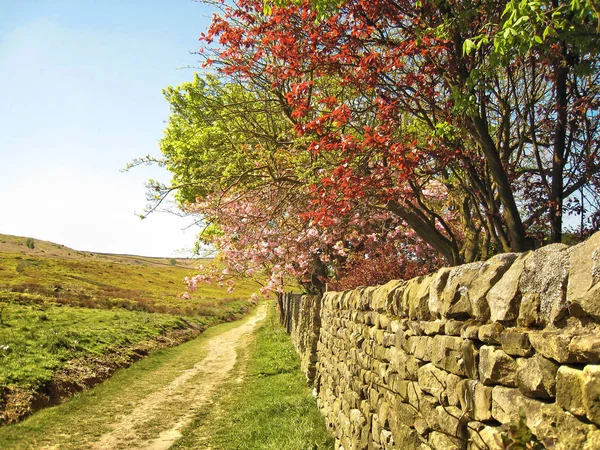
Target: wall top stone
(554, 287)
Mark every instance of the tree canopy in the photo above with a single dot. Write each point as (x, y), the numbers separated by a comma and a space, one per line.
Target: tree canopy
(360, 141)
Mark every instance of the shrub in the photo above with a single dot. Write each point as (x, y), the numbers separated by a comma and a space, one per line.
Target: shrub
(30, 243)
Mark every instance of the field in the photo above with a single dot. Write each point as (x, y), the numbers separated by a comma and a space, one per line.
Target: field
(67, 313)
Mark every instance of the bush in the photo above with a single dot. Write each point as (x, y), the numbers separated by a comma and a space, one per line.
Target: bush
(30, 243)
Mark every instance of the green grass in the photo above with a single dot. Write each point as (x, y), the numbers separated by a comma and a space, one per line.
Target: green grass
(58, 304)
(86, 279)
(272, 408)
(36, 340)
(84, 418)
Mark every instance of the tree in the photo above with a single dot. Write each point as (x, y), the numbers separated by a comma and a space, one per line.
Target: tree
(373, 130)
(439, 114)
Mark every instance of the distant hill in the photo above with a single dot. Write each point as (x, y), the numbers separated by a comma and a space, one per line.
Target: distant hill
(51, 272)
(18, 244)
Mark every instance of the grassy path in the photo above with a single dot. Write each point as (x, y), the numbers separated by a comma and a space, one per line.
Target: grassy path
(144, 406)
(265, 404)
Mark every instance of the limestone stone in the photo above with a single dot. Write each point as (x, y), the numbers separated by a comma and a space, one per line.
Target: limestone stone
(489, 274)
(536, 377)
(470, 330)
(421, 426)
(455, 302)
(455, 355)
(381, 296)
(569, 390)
(405, 413)
(593, 441)
(545, 273)
(591, 392)
(503, 298)
(453, 327)
(436, 289)
(432, 380)
(529, 311)
(414, 394)
(431, 328)
(484, 436)
(405, 365)
(439, 441)
(420, 347)
(490, 333)
(414, 326)
(550, 423)
(496, 367)
(451, 421)
(583, 288)
(376, 429)
(554, 345)
(475, 399)
(451, 392)
(585, 348)
(516, 343)
(409, 438)
(415, 298)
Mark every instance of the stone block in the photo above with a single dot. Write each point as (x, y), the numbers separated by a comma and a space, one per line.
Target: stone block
(414, 394)
(545, 273)
(490, 333)
(489, 274)
(585, 347)
(475, 399)
(591, 392)
(453, 327)
(583, 287)
(536, 377)
(420, 347)
(431, 328)
(455, 302)
(421, 426)
(569, 390)
(549, 422)
(529, 311)
(455, 355)
(415, 299)
(484, 436)
(432, 380)
(554, 345)
(439, 441)
(496, 367)
(451, 393)
(516, 343)
(451, 421)
(409, 438)
(405, 413)
(471, 330)
(503, 298)
(436, 289)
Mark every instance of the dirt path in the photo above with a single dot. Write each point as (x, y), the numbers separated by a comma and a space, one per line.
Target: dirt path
(174, 405)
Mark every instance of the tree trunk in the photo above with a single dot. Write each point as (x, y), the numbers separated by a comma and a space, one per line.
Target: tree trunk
(558, 160)
(428, 232)
(516, 230)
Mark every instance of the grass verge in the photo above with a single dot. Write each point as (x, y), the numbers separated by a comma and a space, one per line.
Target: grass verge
(79, 422)
(270, 407)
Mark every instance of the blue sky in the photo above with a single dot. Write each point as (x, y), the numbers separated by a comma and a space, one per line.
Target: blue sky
(81, 95)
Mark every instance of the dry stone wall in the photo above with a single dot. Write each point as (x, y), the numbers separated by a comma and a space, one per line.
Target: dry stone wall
(443, 361)
(300, 314)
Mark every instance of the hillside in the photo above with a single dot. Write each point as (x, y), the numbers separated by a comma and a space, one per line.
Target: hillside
(53, 272)
(69, 319)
